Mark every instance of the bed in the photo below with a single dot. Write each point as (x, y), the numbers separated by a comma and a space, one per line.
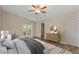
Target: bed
(26, 45)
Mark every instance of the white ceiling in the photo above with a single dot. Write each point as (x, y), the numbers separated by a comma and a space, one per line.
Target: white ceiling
(53, 10)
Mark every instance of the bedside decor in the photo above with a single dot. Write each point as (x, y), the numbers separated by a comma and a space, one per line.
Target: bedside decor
(5, 35)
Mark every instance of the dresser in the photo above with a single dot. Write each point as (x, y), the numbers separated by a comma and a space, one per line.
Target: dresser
(53, 37)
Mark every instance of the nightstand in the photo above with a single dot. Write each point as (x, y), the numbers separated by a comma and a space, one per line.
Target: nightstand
(55, 37)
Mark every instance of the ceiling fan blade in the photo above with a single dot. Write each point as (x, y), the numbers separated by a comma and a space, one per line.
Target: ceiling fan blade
(43, 11)
(38, 6)
(33, 6)
(30, 10)
(43, 7)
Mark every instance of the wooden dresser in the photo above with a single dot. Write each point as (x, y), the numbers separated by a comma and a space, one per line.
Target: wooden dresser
(53, 37)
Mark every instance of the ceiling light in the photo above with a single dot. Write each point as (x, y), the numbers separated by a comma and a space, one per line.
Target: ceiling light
(38, 9)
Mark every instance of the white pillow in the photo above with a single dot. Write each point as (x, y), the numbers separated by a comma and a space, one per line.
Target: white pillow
(8, 43)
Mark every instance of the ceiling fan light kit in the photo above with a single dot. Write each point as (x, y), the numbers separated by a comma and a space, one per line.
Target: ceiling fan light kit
(38, 9)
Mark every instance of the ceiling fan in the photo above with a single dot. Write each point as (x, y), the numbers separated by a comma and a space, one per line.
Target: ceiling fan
(38, 9)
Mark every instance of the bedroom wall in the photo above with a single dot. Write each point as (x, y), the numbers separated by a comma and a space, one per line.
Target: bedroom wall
(78, 30)
(0, 18)
(78, 26)
(52, 21)
(14, 23)
(71, 29)
(66, 24)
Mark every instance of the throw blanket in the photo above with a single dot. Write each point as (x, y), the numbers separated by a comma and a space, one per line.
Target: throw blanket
(34, 46)
(23, 45)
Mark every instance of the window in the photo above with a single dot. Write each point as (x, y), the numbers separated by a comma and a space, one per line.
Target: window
(27, 30)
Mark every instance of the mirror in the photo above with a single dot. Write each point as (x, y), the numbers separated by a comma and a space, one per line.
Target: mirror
(53, 28)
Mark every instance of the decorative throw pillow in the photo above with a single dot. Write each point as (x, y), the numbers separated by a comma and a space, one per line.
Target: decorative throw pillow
(8, 43)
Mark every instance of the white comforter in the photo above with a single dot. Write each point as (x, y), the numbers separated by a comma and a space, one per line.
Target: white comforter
(19, 48)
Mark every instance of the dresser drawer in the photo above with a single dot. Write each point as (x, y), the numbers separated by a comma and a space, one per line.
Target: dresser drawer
(53, 37)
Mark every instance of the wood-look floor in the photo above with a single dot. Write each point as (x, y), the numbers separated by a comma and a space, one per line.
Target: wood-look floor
(73, 49)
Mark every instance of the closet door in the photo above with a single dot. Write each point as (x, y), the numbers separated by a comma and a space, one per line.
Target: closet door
(42, 30)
